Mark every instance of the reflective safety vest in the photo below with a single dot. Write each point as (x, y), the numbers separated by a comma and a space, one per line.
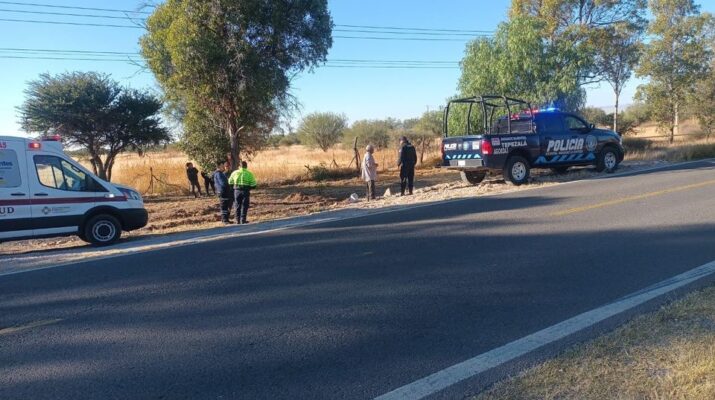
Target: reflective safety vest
(242, 179)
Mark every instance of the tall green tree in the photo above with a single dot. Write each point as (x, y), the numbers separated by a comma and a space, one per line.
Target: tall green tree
(618, 50)
(605, 36)
(518, 61)
(92, 111)
(322, 130)
(675, 60)
(703, 102)
(235, 58)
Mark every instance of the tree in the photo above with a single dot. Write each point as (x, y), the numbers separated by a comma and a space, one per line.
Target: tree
(204, 140)
(703, 103)
(374, 132)
(427, 129)
(595, 115)
(618, 52)
(604, 36)
(322, 130)
(520, 63)
(91, 111)
(675, 59)
(235, 58)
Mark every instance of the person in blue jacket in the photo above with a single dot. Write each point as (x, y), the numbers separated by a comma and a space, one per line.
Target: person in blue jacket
(224, 191)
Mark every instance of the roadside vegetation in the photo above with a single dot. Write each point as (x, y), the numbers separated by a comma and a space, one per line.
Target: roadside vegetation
(668, 354)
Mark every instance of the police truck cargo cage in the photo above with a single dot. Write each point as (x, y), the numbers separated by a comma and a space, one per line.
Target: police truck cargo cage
(503, 135)
(45, 193)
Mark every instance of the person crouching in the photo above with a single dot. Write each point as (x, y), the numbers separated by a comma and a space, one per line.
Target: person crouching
(243, 182)
(369, 171)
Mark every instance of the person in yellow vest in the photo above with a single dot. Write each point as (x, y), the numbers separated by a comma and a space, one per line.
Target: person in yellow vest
(243, 182)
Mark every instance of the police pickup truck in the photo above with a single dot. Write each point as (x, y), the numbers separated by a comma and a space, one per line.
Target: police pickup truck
(511, 138)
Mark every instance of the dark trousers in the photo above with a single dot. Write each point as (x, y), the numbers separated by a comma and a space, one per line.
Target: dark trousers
(209, 187)
(243, 201)
(226, 203)
(370, 190)
(407, 179)
(194, 187)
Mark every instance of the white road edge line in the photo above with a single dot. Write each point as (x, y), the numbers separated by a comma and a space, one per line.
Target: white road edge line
(447, 377)
(367, 213)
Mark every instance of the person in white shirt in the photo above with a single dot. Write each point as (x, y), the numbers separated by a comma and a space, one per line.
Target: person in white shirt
(369, 171)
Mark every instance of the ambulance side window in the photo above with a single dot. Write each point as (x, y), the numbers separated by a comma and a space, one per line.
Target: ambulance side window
(9, 169)
(59, 174)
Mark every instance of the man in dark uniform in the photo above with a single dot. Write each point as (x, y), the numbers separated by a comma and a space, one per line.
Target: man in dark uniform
(208, 182)
(224, 192)
(193, 175)
(406, 160)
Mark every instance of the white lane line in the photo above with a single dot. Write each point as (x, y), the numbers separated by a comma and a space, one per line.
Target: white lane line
(438, 381)
(36, 324)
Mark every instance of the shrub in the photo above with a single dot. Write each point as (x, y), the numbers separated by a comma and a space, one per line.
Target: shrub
(322, 172)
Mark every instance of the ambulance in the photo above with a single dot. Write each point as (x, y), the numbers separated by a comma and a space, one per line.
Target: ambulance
(45, 193)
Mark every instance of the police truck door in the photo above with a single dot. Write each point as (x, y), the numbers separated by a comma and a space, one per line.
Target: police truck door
(15, 210)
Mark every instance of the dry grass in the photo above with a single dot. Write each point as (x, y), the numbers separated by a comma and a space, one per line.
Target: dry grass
(668, 354)
(273, 166)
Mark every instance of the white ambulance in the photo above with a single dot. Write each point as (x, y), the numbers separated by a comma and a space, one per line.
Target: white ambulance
(44, 193)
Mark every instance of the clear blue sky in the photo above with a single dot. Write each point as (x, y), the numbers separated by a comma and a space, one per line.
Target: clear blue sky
(359, 93)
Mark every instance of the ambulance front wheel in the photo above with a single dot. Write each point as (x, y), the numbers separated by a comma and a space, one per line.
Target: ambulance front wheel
(102, 230)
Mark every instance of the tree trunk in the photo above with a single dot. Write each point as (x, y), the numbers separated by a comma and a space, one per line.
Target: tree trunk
(422, 152)
(676, 120)
(235, 148)
(109, 165)
(98, 167)
(615, 116)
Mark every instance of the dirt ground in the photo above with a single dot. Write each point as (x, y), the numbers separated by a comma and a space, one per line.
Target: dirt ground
(170, 214)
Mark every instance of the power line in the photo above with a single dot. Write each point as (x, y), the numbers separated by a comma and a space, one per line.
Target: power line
(372, 28)
(25, 50)
(67, 14)
(69, 23)
(131, 60)
(17, 3)
(412, 29)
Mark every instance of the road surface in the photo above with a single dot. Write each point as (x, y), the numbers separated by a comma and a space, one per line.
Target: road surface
(348, 309)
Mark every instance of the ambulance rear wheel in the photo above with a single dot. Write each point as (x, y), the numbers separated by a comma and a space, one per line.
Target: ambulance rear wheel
(102, 230)
(517, 170)
(473, 177)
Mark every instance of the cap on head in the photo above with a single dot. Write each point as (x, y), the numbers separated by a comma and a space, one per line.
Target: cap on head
(404, 139)
(244, 164)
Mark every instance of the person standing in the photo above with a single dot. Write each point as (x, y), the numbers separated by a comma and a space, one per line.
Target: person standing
(193, 175)
(243, 182)
(224, 192)
(406, 160)
(369, 171)
(208, 182)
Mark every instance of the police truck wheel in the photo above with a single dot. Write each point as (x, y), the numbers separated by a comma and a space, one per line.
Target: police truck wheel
(607, 160)
(473, 177)
(102, 230)
(517, 170)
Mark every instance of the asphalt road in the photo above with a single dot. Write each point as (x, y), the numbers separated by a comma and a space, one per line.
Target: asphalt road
(349, 309)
